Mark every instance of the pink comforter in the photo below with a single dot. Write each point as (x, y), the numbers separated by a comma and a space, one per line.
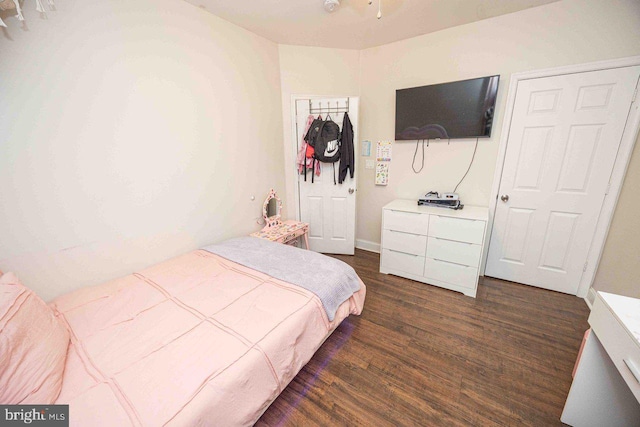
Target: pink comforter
(197, 340)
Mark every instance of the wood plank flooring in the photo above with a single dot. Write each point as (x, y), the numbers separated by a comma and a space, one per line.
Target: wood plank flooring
(424, 356)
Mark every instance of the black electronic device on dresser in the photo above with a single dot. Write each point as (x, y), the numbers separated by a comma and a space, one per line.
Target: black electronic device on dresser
(446, 200)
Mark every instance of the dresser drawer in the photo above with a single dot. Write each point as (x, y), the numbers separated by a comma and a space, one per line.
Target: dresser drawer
(407, 222)
(458, 252)
(407, 263)
(621, 347)
(456, 274)
(461, 230)
(405, 242)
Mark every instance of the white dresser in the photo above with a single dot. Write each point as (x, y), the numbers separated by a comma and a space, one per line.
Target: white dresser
(606, 386)
(438, 246)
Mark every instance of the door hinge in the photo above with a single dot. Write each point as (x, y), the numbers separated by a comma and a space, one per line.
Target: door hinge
(585, 266)
(608, 188)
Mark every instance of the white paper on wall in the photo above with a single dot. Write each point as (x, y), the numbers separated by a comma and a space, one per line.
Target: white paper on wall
(382, 173)
(366, 148)
(383, 151)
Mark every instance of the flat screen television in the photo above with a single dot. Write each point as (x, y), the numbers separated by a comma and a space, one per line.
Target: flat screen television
(462, 109)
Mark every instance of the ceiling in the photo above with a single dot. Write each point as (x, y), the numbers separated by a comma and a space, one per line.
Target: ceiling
(354, 25)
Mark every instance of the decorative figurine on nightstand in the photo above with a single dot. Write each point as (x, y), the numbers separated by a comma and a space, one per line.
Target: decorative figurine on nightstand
(276, 230)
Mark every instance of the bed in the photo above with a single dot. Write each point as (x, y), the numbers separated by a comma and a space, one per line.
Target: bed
(200, 339)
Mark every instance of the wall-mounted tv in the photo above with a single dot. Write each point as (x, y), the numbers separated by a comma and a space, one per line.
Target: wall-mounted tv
(462, 109)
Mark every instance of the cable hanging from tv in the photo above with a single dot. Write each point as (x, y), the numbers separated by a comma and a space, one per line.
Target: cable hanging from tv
(469, 168)
(416, 153)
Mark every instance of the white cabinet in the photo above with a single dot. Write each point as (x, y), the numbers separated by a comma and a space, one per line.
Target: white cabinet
(606, 384)
(438, 246)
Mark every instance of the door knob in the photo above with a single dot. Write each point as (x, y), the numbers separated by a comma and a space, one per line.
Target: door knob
(351, 190)
(504, 198)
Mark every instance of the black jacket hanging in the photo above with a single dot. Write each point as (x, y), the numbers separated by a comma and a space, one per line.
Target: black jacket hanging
(347, 155)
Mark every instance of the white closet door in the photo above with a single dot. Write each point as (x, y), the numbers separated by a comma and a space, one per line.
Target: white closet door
(330, 209)
(562, 145)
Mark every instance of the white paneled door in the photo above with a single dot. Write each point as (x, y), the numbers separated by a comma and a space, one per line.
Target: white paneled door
(330, 209)
(562, 144)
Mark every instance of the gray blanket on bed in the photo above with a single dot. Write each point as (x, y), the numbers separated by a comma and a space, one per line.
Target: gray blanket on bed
(330, 279)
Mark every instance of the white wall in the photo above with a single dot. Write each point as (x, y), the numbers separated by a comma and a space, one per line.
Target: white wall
(131, 131)
(312, 71)
(562, 33)
(619, 269)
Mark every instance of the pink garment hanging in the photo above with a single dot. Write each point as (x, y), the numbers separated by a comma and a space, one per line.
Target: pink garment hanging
(301, 158)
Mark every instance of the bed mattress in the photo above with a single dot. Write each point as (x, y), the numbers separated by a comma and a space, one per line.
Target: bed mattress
(196, 340)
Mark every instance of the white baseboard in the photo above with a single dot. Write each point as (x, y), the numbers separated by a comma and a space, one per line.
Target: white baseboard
(590, 298)
(366, 245)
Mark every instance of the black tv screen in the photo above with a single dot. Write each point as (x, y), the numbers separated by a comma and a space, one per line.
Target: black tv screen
(462, 109)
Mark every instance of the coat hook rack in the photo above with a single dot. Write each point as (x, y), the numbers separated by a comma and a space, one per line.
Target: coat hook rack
(320, 109)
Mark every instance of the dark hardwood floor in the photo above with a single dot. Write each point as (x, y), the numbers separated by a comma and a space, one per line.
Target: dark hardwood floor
(421, 355)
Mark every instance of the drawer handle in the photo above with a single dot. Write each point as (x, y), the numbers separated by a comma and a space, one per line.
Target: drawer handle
(456, 218)
(633, 368)
(404, 232)
(457, 241)
(404, 253)
(454, 263)
(412, 213)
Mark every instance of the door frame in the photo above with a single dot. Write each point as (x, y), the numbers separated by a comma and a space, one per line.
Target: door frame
(294, 146)
(623, 157)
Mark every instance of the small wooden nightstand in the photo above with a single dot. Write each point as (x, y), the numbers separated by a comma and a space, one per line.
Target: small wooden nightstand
(277, 230)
